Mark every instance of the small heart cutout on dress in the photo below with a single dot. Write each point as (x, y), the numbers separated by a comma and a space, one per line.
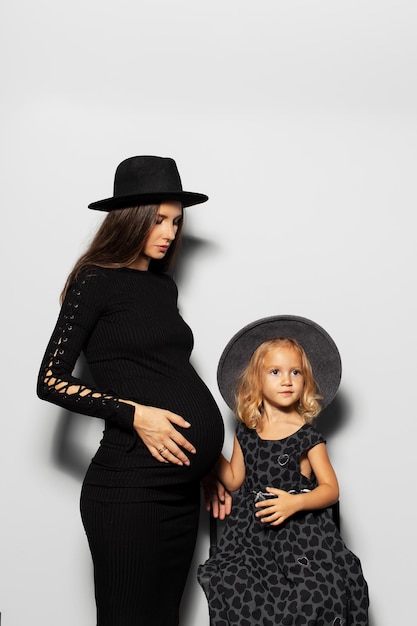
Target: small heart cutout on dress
(283, 459)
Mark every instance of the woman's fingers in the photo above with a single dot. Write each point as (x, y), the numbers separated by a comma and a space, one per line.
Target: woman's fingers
(174, 443)
(176, 436)
(170, 454)
(156, 428)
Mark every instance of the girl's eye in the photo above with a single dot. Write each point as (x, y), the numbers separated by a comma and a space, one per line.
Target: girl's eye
(296, 372)
(274, 372)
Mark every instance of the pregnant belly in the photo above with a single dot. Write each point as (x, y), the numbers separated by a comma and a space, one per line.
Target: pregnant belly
(125, 450)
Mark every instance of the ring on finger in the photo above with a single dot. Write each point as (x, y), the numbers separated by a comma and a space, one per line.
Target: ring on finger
(161, 450)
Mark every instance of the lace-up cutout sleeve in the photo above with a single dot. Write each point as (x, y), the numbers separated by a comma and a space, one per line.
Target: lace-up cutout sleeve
(80, 311)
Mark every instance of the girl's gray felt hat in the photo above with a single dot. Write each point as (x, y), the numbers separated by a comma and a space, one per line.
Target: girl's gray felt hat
(145, 179)
(320, 348)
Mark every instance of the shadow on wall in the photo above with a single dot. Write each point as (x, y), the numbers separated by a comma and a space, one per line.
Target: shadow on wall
(76, 436)
(333, 417)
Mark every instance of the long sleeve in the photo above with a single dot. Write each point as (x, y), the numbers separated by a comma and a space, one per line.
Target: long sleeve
(81, 309)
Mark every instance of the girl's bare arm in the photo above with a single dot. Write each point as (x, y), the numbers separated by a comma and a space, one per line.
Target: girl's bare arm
(231, 473)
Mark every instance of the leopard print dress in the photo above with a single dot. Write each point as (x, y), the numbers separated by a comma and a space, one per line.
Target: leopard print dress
(299, 573)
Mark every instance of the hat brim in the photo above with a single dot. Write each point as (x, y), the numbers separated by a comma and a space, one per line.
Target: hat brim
(187, 198)
(320, 348)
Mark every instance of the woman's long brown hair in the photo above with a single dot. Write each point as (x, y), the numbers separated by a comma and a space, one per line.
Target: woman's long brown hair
(120, 239)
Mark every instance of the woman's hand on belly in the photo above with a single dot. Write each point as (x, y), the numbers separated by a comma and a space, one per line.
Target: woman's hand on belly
(217, 499)
(156, 429)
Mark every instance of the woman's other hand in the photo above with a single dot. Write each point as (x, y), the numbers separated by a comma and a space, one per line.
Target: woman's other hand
(217, 499)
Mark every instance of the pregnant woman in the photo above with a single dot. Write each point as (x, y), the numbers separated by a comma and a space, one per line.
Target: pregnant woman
(163, 431)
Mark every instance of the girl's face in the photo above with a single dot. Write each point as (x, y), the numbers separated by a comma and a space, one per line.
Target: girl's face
(282, 377)
(162, 234)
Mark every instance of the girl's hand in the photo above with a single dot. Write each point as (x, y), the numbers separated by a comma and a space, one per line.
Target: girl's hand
(276, 510)
(155, 427)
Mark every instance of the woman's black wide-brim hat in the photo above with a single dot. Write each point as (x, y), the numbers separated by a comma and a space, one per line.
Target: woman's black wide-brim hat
(320, 348)
(147, 180)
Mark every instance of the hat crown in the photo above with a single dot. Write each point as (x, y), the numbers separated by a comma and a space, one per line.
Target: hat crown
(141, 180)
(146, 175)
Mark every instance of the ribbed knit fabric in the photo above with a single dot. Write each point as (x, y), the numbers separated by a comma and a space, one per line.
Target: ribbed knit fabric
(140, 515)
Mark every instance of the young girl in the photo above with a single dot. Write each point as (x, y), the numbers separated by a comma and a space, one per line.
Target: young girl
(281, 559)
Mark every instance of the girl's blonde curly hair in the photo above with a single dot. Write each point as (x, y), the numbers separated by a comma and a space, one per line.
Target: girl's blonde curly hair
(249, 401)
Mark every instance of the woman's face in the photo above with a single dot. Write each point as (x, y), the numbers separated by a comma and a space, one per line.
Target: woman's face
(162, 234)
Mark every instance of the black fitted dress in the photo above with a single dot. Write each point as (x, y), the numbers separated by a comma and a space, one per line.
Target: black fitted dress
(140, 515)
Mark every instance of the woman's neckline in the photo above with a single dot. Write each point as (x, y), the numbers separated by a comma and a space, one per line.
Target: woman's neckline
(122, 268)
(133, 269)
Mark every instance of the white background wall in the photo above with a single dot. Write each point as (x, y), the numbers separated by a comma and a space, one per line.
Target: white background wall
(298, 119)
